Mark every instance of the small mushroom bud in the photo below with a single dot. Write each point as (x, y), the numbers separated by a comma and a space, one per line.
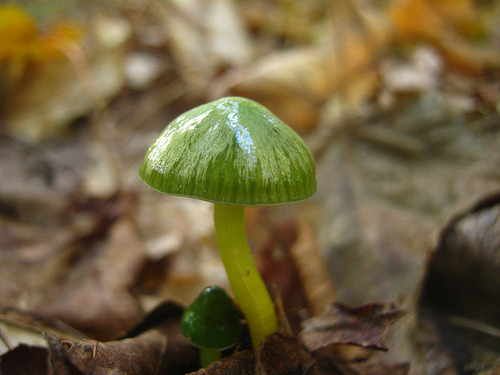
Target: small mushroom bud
(211, 323)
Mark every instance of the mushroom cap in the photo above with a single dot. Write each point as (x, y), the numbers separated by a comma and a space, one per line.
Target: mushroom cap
(212, 321)
(232, 150)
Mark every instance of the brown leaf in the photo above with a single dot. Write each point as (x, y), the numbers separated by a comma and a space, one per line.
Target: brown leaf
(459, 299)
(312, 269)
(281, 354)
(141, 355)
(95, 297)
(463, 274)
(159, 350)
(372, 366)
(277, 268)
(239, 363)
(29, 328)
(364, 326)
(434, 22)
(205, 37)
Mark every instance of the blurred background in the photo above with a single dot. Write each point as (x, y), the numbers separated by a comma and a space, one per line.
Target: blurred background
(399, 101)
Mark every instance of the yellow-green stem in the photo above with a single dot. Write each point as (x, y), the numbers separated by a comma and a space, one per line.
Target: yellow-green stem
(248, 288)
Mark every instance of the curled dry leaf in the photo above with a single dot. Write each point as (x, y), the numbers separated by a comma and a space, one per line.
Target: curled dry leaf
(158, 348)
(364, 326)
(462, 284)
(290, 261)
(339, 336)
(312, 269)
(141, 355)
(463, 274)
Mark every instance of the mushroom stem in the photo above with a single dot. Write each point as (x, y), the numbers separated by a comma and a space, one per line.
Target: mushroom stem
(209, 356)
(248, 287)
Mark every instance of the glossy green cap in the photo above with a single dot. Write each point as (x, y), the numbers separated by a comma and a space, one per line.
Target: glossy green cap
(212, 321)
(232, 150)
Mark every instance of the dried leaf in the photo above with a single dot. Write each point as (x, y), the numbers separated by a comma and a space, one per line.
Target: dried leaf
(158, 348)
(96, 296)
(28, 328)
(294, 84)
(463, 275)
(364, 326)
(48, 81)
(141, 355)
(239, 363)
(311, 266)
(206, 38)
(437, 358)
(433, 22)
(281, 354)
(373, 366)
(461, 288)
(277, 268)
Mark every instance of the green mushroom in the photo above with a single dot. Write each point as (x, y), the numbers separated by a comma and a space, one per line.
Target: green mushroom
(235, 153)
(212, 323)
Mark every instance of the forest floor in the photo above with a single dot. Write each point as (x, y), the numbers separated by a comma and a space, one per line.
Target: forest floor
(396, 257)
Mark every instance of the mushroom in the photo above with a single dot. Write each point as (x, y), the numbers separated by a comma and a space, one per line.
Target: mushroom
(212, 323)
(235, 153)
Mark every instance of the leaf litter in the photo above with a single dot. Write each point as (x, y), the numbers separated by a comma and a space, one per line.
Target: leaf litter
(399, 103)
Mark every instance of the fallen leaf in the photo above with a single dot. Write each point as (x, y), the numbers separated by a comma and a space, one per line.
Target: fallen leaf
(158, 348)
(281, 354)
(373, 366)
(28, 328)
(206, 38)
(96, 297)
(141, 355)
(433, 22)
(312, 269)
(277, 268)
(364, 326)
(436, 358)
(48, 80)
(463, 273)
(294, 84)
(459, 299)
(241, 363)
